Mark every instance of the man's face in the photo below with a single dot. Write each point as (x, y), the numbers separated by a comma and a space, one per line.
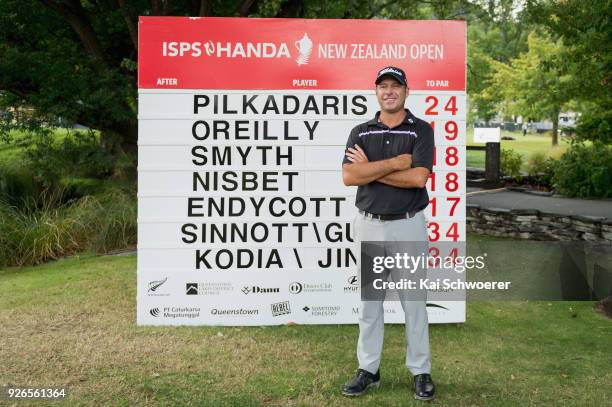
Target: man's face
(391, 95)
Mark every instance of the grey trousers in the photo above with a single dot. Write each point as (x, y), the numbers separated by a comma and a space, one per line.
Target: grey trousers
(371, 313)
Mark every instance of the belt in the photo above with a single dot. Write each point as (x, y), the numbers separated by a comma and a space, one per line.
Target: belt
(389, 217)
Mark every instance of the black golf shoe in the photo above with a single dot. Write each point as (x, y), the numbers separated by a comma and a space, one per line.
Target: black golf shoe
(424, 388)
(362, 381)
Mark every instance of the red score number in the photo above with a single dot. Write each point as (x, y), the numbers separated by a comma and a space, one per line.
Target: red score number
(450, 106)
(451, 184)
(451, 156)
(451, 129)
(434, 203)
(434, 231)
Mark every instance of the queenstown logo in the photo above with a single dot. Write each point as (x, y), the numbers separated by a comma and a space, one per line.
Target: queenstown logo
(304, 47)
(154, 285)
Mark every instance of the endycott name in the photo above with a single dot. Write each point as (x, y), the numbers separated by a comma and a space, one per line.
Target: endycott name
(281, 50)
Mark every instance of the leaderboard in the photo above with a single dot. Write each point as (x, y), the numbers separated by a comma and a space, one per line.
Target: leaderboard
(243, 218)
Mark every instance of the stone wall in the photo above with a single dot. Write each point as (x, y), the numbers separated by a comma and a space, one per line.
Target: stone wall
(537, 225)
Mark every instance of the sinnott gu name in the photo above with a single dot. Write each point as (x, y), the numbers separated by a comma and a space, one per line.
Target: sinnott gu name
(260, 232)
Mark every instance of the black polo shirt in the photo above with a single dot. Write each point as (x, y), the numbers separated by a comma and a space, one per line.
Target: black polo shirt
(379, 142)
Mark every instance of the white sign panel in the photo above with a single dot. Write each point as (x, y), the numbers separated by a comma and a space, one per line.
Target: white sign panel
(486, 134)
(243, 218)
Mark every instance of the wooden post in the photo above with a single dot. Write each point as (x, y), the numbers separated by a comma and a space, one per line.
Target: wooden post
(492, 163)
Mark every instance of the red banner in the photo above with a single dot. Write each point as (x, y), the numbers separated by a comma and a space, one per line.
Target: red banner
(254, 53)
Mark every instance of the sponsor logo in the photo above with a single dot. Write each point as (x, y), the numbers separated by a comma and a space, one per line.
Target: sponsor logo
(240, 312)
(390, 70)
(304, 47)
(259, 290)
(154, 288)
(227, 49)
(387, 311)
(175, 312)
(352, 285)
(297, 287)
(280, 308)
(209, 48)
(208, 288)
(322, 311)
(432, 305)
(154, 285)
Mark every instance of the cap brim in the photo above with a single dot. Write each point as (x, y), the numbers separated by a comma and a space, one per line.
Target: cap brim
(390, 75)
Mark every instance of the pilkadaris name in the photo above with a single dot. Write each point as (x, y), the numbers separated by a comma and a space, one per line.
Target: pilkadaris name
(280, 104)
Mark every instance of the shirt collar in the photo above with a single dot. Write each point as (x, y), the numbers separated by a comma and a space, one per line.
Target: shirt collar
(408, 119)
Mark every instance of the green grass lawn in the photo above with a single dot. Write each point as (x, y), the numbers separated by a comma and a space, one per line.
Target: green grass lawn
(72, 323)
(525, 146)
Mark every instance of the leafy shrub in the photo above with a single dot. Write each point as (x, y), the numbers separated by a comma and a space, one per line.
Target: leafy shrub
(585, 171)
(92, 223)
(511, 162)
(78, 154)
(541, 168)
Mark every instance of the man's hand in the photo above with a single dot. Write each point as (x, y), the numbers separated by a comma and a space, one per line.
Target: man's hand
(356, 155)
(402, 162)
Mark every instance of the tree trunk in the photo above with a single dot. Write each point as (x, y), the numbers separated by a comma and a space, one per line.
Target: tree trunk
(128, 131)
(72, 11)
(127, 17)
(555, 129)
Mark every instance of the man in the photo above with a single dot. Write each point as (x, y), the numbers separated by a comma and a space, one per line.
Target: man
(390, 158)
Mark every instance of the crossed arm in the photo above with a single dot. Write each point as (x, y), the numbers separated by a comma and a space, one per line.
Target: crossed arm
(394, 171)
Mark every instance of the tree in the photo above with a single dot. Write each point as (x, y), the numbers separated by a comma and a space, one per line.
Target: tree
(497, 31)
(534, 84)
(586, 32)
